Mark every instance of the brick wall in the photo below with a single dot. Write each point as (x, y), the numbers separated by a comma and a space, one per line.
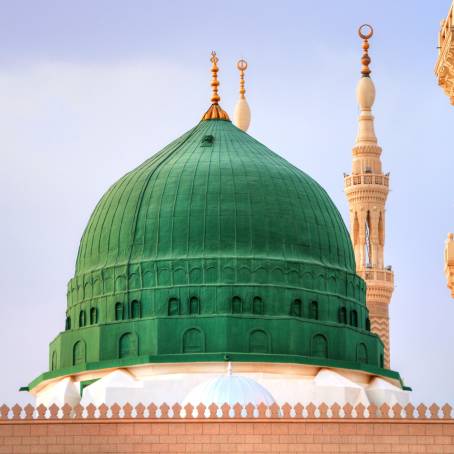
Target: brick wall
(213, 436)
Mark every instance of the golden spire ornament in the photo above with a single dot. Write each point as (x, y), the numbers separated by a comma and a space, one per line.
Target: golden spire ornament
(242, 66)
(365, 32)
(242, 114)
(215, 112)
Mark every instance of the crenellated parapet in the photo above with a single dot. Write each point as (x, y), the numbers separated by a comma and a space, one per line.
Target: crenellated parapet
(251, 412)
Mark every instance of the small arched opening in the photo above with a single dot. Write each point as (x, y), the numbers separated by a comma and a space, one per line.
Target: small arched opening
(194, 306)
(174, 307)
(258, 341)
(82, 319)
(313, 313)
(319, 346)
(354, 318)
(79, 353)
(119, 312)
(193, 341)
(127, 345)
(296, 309)
(343, 315)
(135, 309)
(93, 316)
(361, 353)
(237, 305)
(257, 305)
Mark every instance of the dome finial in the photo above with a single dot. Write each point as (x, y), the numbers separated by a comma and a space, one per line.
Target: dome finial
(242, 115)
(242, 66)
(365, 32)
(365, 92)
(215, 98)
(215, 112)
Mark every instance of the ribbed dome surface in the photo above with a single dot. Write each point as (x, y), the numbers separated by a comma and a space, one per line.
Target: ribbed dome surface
(214, 192)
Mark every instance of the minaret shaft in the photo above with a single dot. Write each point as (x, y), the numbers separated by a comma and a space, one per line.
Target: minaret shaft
(367, 190)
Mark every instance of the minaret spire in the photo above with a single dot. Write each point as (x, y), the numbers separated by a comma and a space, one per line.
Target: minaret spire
(242, 115)
(367, 190)
(215, 112)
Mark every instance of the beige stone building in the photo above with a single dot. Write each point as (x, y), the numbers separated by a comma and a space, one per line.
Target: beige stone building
(444, 70)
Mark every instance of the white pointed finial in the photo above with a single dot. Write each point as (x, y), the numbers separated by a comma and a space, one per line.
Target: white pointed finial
(242, 114)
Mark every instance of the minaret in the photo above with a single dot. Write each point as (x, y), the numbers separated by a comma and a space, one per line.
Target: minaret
(367, 189)
(242, 114)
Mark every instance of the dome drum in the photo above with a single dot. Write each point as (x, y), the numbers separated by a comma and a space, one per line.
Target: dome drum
(209, 338)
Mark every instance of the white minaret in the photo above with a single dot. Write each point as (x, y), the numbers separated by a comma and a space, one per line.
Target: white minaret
(367, 190)
(242, 114)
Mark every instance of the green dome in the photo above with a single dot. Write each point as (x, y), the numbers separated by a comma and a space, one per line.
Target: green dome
(215, 248)
(215, 193)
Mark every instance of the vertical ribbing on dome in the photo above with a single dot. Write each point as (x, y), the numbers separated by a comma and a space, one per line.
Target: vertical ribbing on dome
(215, 112)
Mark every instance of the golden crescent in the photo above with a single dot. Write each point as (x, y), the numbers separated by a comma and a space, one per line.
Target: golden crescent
(242, 65)
(367, 35)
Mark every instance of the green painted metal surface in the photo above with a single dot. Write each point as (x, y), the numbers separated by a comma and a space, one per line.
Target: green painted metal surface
(215, 246)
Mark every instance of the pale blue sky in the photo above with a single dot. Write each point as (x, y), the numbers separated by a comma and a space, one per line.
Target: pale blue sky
(90, 89)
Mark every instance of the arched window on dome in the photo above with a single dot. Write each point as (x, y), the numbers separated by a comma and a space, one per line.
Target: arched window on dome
(257, 305)
(237, 305)
(319, 346)
(79, 353)
(53, 364)
(93, 315)
(193, 341)
(119, 313)
(82, 319)
(354, 318)
(382, 362)
(296, 309)
(174, 307)
(343, 315)
(258, 342)
(194, 306)
(368, 324)
(135, 309)
(361, 353)
(68, 323)
(313, 310)
(127, 345)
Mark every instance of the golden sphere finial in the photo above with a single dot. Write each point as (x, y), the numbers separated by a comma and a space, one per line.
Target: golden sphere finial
(215, 111)
(242, 66)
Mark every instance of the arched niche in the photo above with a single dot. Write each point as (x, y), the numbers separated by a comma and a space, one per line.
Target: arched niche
(79, 353)
(127, 345)
(193, 341)
(258, 341)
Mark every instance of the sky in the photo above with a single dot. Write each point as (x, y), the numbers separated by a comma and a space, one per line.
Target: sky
(90, 89)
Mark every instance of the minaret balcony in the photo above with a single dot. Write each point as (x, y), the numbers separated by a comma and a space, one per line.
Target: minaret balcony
(377, 274)
(366, 179)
